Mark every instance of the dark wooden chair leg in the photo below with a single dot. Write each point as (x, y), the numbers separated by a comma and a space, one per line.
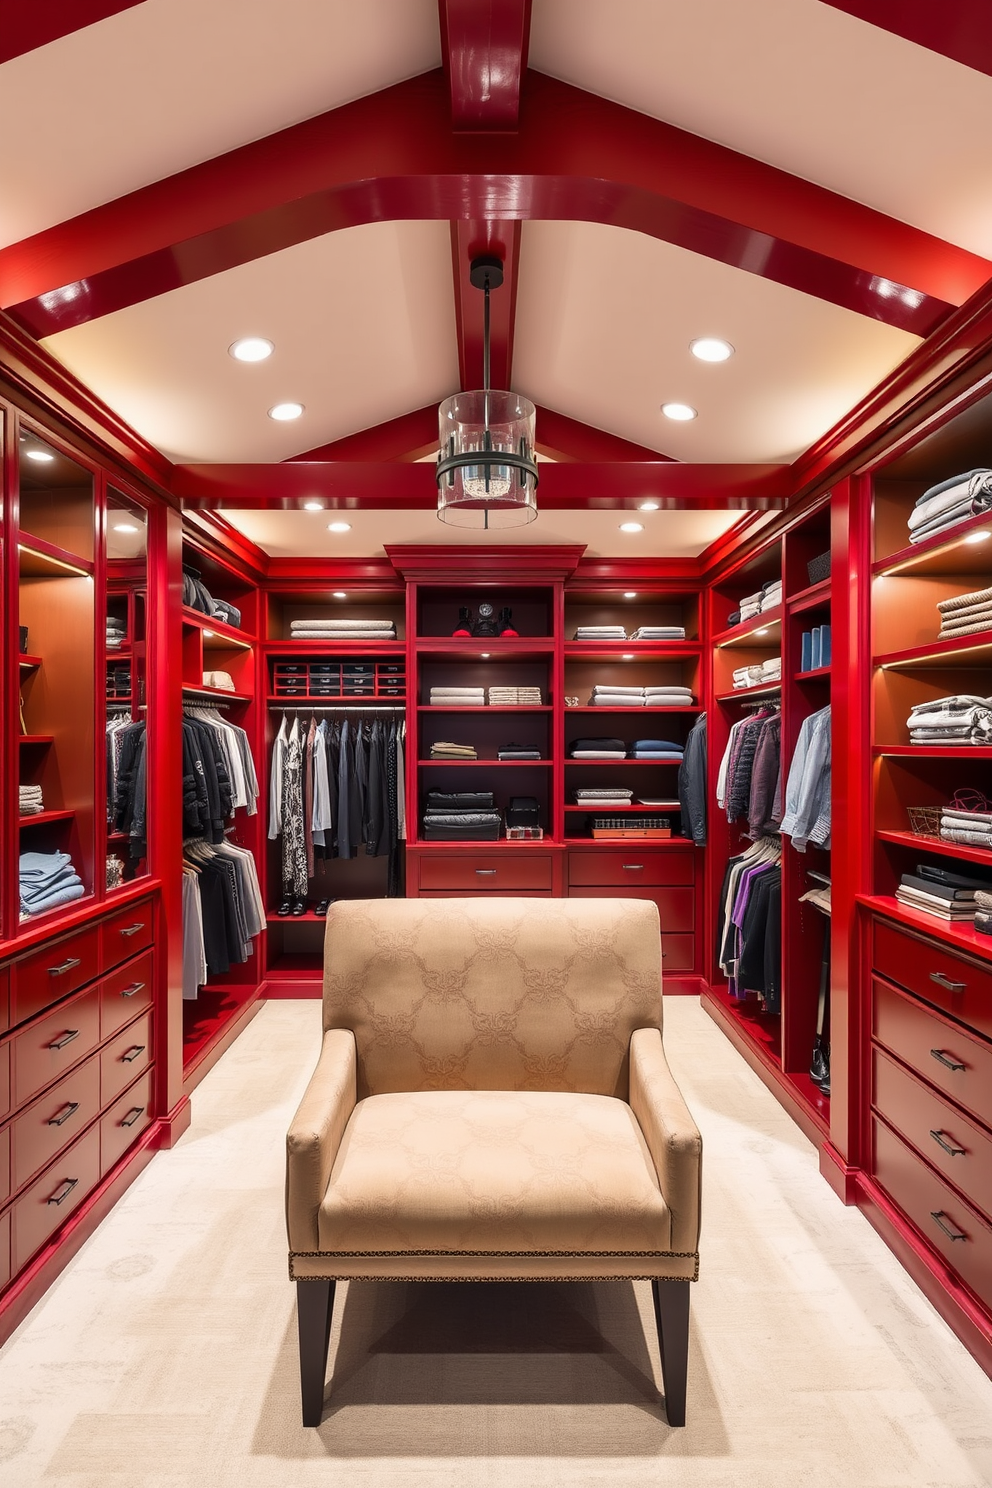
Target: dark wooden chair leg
(314, 1306)
(671, 1310)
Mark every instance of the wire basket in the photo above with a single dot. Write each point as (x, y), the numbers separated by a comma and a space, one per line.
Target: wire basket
(924, 821)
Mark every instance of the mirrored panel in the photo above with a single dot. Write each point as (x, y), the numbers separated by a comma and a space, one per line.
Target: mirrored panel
(126, 682)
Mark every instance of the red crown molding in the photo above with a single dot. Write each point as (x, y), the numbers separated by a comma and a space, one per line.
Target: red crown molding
(958, 29)
(392, 156)
(487, 562)
(484, 52)
(27, 26)
(214, 535)
(303, 574)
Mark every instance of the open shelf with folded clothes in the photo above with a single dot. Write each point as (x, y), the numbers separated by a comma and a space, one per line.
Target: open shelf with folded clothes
(366, 615)
(644, 613)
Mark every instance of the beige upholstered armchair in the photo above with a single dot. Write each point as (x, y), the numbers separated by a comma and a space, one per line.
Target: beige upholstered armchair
(492, 1102)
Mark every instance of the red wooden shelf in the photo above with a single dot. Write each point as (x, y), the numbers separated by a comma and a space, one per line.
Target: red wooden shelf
(501, 844)
(811, 675)
(962, 936)
(523, 649)
(938, 845)
(614, 810)
(494, 763)
(816, 597)
(42, 818)
(935, 751)
(763, 1030)
(220, 630)
(746, 634)
(767, 689)
(274, 700)
(485, 708)
(297, 649)
(946, 552)
(40, 559)
(643, 650)
(28, 661)
(812, 1095)
(304, 919)
(192, 693)
(665, 764)
(36, 738)
(650, 712)
(940, 653)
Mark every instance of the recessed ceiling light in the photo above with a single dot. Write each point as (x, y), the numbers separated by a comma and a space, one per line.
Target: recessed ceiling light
(126, 527)
(251, 349)
(680, 412)
(44, 457)
(711, 349)
(978, 537)
(340, 594)
(629, 656)
(630, 594)
(649, 506)
(631, 526)
(286, 411)
(313, 506)
(339, 526)
(485, 655)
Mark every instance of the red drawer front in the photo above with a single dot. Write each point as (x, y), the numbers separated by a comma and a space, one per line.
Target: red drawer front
(675, 906)
(125, 1121)
(5, 1182)
(4, 1250)
(45, 1052)
(125, 993)
(630, 867)
(55, 1120)
(4, 1000)
(936, 1210)
(53, 972)
(51, 1199)
(126, 932)
(945, 1055)
(4, 1079)
(124, 1057)
(495, 874)
(962, 988)
(957, 1147)
(678, 953)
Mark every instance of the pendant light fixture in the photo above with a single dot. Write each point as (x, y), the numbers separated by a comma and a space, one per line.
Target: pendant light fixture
(486, 471)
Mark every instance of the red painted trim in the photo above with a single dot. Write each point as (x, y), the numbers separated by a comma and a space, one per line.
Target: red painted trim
(29, 26)
(392, 156)
(567, 440)
(407, 438)
(468, 241)
(958, 29)
(207, 1056)
(367, 485)
(484, 49)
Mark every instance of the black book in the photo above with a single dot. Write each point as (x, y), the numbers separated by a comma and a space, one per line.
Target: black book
(937, 890)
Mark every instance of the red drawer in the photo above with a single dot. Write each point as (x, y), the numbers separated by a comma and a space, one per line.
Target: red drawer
(4, 1000)
(5, 1183)
(125, 1121)
(957, 1147)
(53, 972)
(4, 1079)
(45, 1052)
(956, 1062)
(630, 866)
(678, 953)
(495, 873)
(962, 988)
(51, 1199)
(675, 906)
(4, 1250)
(124, 1057)
(125, 993)
(936, 1210)
(56, 1119)
(124, 933)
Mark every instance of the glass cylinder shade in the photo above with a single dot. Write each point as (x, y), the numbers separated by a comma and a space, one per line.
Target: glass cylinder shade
(474, 487)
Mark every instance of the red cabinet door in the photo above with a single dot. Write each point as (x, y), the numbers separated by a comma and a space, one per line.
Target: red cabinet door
(944, 1054)
(962, 988)
(494, 873)
(630, 867)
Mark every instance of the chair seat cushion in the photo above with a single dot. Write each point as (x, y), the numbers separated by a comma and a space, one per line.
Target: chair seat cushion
(493, 1172)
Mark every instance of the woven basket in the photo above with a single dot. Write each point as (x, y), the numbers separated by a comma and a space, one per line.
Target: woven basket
(924, 821)
(819, 568)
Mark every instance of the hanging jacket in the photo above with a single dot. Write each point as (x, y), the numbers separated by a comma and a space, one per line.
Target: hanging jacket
(692, 783)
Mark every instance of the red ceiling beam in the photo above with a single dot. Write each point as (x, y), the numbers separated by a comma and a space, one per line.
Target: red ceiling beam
(405, 438)
(369, 485)
(392, 156)
(567, 440)
(28, 26)
(469, 240)
(484, 50)
(958, 29)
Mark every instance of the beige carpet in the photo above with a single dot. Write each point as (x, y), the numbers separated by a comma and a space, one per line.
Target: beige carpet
(165, 1355)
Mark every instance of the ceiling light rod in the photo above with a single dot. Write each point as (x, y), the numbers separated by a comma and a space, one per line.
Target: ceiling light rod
(486, 471)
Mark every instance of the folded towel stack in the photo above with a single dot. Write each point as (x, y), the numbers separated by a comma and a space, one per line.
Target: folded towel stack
(658, 633)
(771, 670)
(465, 816)
(518, 752)
(458, 697)
(444, 750)
(958, 720)
(598, 749)
(983, 912)
(656, 749)
(950, 502)
(600, 633)
(29, 800)
(342, 630)
(611, 696)
(771, 595)
(966, 615)
(516, 696)
(116, 634)
(748, 676)
(750, 606)
(939, 892)
(607, 795)
(972, 828)
(46, 881)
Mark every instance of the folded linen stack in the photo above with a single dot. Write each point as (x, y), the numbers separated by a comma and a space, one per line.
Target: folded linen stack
(656, 749)
(771, 595)
(600, 633)
(515, 696)
(950, 502)
(342, 630)
(518, 752)
(658, 633)
(983, 912)
(771, 670)
(116, 634)
(47, 880)
(750, 606)
(674, 696)
(973, 828)
(748, 676)
(965, 615)
(609, 796)
(29, 800)
(615, 696)
(458, 697)
(461, 816)
(958, 720)
(443, 750)
(939, 892)
(597, 749)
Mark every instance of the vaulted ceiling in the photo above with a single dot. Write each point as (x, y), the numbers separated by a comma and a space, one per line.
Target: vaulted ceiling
(807, 180)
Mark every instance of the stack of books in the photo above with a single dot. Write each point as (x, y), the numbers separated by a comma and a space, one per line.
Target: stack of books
(815, 648)
(939, 892)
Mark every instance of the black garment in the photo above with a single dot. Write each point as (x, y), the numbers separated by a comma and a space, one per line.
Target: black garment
(759, 967)
(692, 783)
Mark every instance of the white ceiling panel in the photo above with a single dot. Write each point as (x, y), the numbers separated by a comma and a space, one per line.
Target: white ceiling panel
(169, 83)
(363, 326)
(800, 85)
(604, 321)
(679, 534)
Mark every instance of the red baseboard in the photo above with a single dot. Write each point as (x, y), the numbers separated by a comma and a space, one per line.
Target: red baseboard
(843, 1179)
(208, 1054)
(683, 986)
(293, 989)
(171, 1127)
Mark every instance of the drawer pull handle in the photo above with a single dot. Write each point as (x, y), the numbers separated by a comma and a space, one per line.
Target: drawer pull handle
(133, 990)
(947, 1146)
(946, 1060)
(938, 1216)
(63, 1191)
(70, 1110)
(132, 1115)
(633, 866)
(132, 1054)
(67, 1038)
(132, 929)
(66, 965)
(946, 981)
(485, 871)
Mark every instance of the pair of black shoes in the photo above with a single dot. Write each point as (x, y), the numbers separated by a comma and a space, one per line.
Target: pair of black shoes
(819, 1070)
(295, 907)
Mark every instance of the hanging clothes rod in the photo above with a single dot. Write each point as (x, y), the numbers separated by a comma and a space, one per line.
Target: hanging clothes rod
(203, 700)
(339, 708)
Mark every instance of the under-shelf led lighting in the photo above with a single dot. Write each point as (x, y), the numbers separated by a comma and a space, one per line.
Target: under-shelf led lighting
(711, 349)
(339, 526)
(251, 349)
(627, 656)
(485, 655)
(631, 526)
(44, 457)
(680, 412)
(630, 594)
(209, 632)
(649, 506)
(340, 594)
(762, 631)
(313, 506)
(126, 527)
(974, 537)
(284, 412)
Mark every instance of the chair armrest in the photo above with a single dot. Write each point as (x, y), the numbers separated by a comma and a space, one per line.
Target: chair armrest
(315, 1134)
(671, 1134)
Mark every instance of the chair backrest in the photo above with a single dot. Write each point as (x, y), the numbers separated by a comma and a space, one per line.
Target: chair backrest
(494, 993)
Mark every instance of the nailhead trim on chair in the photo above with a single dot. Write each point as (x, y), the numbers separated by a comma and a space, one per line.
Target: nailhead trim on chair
(512, 1255)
